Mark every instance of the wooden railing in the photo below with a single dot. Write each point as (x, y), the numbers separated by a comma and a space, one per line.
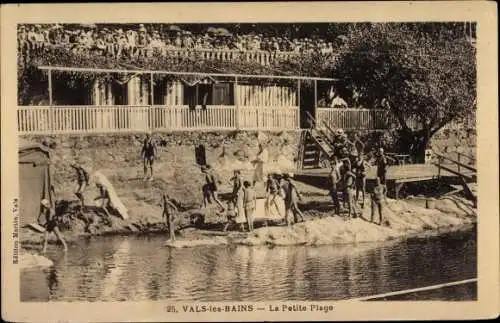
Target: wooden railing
(111, 119)
(354, 119)
(262, 57)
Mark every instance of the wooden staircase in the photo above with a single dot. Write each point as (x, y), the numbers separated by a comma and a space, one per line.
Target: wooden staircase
(315, 147)
(466, 173)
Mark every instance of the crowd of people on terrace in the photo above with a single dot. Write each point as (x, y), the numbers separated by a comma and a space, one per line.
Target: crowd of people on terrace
(142, 41)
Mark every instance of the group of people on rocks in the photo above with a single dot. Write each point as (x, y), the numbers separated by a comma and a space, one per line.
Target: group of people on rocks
(148, 41)
(347, 178)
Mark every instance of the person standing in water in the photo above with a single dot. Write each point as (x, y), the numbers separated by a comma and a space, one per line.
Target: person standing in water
(148, 153)
(291, 195)
(48, 214)
(378, 197)
(168, 215)
(250, 204)
(82, 178)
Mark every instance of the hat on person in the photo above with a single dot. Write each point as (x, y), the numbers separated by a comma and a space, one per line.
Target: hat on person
(120, 31)
(381, 149)
(45, 203)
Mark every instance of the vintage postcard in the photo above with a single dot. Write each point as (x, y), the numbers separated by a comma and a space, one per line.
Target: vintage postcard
(249, 161)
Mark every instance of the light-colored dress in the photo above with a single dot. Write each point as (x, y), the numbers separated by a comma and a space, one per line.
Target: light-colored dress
(260, 172)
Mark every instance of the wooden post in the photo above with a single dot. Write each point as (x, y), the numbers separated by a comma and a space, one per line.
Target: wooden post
(316, 102)
(51, 126)
(298, 102)
(236, 103)
(151, 92)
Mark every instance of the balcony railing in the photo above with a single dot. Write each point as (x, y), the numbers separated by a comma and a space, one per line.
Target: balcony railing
(114, 119)
(124, 118)
(354, 119)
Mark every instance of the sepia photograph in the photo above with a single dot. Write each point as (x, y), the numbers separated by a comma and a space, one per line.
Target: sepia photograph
(246, 162)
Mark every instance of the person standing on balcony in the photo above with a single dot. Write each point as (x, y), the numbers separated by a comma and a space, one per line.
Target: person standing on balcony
(148, 154)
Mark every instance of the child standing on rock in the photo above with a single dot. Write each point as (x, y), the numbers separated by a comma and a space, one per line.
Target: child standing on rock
(291, 195)
(349, 181)
(168, 215)
(82, 178)
(250, 204)
(378, 196)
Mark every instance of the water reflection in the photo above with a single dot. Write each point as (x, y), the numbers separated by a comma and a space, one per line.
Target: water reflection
(141, 268)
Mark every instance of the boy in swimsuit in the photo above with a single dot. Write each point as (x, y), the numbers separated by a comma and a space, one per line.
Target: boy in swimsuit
(148, 154)
(349, 181)
(210, 188)
(291, 194)
(50, 223)
(82, 178)
(272, 190)
(105, 201)
(335, 179)
(360, 170)
(168, 215)
(250, 204)
(378, 196)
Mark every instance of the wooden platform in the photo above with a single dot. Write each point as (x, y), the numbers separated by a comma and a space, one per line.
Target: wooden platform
(401, 173)
(396, 175)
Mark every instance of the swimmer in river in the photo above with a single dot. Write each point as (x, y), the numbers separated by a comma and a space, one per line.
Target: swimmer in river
(50, 222)
(379, 196)
(168, 215)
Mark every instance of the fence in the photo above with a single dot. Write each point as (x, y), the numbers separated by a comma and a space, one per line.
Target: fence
(125, 118)
(354, 119)
(112, 119)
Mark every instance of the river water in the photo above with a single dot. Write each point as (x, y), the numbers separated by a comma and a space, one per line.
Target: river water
(141, 268)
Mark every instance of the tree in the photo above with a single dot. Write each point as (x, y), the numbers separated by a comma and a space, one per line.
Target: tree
(424, 72)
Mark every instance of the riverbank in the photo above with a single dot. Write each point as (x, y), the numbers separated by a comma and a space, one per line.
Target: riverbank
(402, 219)
(177, 174)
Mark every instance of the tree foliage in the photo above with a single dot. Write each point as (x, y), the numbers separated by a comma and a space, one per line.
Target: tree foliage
(420, 72)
